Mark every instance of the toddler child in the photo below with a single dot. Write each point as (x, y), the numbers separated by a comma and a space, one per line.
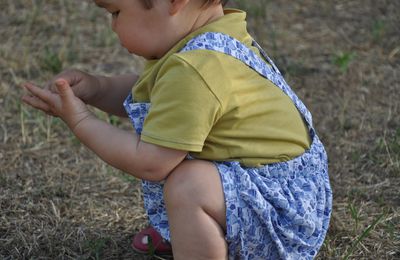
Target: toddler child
(232, 167)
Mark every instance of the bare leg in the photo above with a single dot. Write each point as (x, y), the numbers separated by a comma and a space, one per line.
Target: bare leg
(196, 211)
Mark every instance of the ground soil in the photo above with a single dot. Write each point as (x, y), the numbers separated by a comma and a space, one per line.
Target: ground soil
(58, 201)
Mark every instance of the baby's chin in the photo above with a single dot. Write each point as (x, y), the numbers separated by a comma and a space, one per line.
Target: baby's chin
(147, 54)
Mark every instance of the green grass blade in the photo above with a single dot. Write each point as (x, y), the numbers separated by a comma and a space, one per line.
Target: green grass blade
(363, 235)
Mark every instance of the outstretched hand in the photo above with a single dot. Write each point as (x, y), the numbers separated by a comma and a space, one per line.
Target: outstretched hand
(63, 104)
(84, 85)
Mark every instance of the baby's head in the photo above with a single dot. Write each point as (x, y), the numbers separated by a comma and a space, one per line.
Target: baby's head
(149, 28)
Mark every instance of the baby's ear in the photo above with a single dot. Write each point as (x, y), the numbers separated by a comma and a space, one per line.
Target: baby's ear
(176, 6)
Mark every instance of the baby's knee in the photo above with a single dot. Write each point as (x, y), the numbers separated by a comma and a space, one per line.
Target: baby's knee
(181, 184)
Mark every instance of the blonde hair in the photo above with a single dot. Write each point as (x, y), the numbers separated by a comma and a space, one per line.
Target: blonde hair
(149, 3)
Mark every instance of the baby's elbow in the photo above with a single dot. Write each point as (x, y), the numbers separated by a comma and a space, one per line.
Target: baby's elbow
(152, 174)
(154, 163)
(155, 175)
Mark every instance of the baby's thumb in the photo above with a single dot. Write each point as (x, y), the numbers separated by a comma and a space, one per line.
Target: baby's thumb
(63, 88)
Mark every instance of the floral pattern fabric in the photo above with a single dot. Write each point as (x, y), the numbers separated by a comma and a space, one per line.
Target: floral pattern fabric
(279, 211)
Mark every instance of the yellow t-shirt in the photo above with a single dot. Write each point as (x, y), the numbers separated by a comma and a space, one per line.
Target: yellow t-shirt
(216, 107)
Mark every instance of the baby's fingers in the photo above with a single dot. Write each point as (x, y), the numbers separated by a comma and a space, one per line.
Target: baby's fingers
(43, 94)
(39, 98)
(37, 103)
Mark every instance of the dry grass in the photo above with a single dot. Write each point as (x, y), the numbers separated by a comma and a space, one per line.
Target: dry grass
(57, 201)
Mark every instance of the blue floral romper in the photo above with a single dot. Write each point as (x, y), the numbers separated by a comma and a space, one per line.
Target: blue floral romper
(278, 211)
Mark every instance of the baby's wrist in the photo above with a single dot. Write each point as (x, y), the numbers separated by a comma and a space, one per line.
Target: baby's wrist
(75, 124)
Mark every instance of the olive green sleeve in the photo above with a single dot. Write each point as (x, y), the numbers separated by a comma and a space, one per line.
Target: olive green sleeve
(183, 109)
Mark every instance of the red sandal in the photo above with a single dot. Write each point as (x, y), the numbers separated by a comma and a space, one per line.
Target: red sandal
(149, 241)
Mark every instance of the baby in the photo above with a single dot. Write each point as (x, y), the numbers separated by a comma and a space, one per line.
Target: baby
(231, 165)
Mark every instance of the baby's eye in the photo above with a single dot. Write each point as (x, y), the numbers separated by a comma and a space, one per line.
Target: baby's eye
(115, 14)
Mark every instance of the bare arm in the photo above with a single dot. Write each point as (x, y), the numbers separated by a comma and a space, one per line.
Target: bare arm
(119, 148)
(124, 150)
(112, 92)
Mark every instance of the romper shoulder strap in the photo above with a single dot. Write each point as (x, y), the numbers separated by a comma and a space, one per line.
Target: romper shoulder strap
(223, 43)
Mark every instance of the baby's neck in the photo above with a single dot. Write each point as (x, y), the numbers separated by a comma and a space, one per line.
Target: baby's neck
(187, 21)
(207, 15)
